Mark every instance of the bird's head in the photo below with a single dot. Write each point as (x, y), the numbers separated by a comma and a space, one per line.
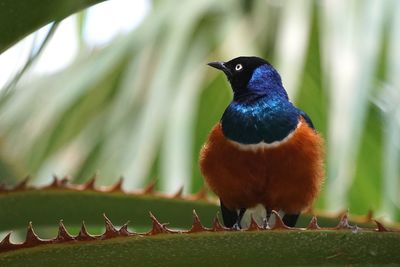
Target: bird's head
(251, 77)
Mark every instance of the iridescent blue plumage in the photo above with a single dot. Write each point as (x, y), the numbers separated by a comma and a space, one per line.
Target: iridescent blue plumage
(261, 112)
(266, 81)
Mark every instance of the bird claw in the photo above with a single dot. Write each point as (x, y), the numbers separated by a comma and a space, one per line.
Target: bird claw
(265, 224)
(236, 226)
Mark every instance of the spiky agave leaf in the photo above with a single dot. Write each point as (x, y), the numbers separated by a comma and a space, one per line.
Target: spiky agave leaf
(90, 185)
(77, 202)
(200, 245)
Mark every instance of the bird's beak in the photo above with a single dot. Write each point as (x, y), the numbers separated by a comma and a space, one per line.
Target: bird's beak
(220, 66)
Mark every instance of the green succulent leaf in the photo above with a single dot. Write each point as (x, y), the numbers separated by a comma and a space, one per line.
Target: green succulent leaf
(74, 203)
(246, 248)
(77, 203)
(19, 18)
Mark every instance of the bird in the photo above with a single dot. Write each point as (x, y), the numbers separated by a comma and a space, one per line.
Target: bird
(264, 152)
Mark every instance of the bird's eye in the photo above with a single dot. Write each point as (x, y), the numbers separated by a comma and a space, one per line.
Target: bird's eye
(238, 67)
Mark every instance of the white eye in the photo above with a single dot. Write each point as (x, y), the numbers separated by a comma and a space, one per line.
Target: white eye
(238, 67)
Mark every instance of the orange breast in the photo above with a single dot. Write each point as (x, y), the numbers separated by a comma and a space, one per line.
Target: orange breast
(286, 177)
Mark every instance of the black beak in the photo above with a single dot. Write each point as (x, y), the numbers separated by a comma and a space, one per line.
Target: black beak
(220, 66)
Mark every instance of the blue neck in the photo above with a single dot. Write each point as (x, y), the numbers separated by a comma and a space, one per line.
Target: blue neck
(264, 119)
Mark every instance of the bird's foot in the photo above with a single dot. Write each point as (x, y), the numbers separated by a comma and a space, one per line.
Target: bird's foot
(265, 224)
(236, 226)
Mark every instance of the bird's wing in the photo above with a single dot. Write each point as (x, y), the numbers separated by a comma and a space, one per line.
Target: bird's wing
(307, 118)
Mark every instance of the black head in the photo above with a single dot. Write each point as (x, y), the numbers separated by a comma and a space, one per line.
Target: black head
(239, 70)
(251, 78)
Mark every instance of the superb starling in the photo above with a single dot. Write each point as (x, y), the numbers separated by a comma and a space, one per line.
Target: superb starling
(264, 151)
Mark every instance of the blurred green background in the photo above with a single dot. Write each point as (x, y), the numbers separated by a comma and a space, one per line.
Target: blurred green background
(141, 104)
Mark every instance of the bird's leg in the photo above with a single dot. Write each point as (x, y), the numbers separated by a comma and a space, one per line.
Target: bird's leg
(269, 212)
(238, 225)
(266, 219)
(229, 216)
(290, 219)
